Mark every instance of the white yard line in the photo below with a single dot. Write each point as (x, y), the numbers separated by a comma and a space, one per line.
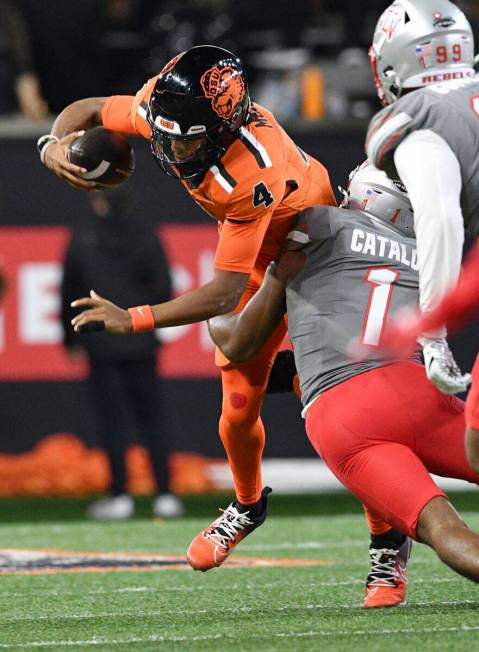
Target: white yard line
(309, 634)
(305, 545)
(198, 589)
(223, 610)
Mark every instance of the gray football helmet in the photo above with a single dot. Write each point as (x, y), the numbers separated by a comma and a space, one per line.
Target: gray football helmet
(419, 42)
(372, 191)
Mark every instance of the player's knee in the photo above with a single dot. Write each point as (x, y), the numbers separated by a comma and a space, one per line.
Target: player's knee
(239, 420)
(240, 410)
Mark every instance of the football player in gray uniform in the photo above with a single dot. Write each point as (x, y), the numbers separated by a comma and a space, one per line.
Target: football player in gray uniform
(343, 273)
(422, 58)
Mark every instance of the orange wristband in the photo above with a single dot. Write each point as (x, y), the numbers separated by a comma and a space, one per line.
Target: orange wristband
(143, 319)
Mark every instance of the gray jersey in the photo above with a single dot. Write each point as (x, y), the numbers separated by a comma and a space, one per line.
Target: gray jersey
(451, 110)
(358, 271)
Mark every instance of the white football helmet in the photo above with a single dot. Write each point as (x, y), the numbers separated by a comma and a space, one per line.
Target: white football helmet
(372, 191)
(419, 42)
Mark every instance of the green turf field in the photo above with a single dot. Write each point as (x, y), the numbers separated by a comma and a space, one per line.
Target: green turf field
(262, 608)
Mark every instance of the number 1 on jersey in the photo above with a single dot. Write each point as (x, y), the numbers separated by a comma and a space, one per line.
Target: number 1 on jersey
(381, 281)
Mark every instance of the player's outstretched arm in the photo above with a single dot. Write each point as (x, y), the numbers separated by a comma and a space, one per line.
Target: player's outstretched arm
(241, 335)
(218, 297)
(68, 126)
(79, 115)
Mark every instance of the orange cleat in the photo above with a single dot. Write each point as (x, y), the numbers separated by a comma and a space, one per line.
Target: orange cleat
(386, 584)
(211, 547)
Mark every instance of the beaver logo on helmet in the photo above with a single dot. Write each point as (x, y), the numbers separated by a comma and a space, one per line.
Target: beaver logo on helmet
(225, 87)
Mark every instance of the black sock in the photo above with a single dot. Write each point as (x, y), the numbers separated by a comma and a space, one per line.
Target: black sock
(390, 539)
(254, 509)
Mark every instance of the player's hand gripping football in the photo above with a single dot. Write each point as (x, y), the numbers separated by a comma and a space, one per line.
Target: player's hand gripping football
(100, 314)
(56, 159)
(442, 369)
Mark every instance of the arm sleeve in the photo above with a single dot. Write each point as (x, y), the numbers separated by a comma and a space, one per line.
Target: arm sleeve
(431, 173)
(116, 114)
(127, 113)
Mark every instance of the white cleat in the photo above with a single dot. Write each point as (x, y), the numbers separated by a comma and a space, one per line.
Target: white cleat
(112, 508)
(168, 506)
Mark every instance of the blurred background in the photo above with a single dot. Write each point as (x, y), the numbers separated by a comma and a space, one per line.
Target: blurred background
(307, 62)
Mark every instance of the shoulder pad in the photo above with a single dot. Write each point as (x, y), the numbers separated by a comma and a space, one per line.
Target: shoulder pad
(386, 130)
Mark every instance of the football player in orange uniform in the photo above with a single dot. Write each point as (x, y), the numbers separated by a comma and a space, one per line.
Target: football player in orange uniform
(240, 166)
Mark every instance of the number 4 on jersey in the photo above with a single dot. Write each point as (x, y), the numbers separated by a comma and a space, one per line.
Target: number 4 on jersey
(261, 195)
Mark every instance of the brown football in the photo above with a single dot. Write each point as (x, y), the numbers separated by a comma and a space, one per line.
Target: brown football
(107, 156)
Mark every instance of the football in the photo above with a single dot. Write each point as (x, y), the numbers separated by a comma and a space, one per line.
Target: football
(107, 156)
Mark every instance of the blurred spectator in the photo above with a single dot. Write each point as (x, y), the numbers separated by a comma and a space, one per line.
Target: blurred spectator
(125, 42)
(177, 26)
(19, 83)
(121, 259)
(62, 51)
(66, 44)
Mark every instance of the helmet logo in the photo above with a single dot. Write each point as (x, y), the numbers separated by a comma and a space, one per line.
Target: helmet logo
(424, 55)
(225, 87)
(391, 19)
(166, 124)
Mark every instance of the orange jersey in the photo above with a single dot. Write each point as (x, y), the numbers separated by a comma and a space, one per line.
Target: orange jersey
(254, 191)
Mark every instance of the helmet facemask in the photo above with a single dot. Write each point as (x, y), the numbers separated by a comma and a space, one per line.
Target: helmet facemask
(388, 85)
(209, 151)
